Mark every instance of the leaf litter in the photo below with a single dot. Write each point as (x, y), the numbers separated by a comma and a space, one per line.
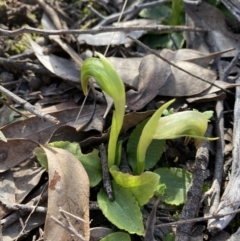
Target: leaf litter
(147, 78)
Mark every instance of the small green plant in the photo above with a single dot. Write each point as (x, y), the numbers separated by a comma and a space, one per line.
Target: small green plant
(143, 184)
(109, 81)
(131, 192)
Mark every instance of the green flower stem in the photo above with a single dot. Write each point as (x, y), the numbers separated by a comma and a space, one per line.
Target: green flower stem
(109, 81)
(147, 136)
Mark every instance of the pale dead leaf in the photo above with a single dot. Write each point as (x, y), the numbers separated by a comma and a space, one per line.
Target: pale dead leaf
(127, 69)
(26, 177)
(12, 231)
(48, 25)
(208, 17)
(213, 93)
(196, 57)
(18, 149)
(99, 232)
(14, 152)
(7, 191)
(118, 37)
(69, 190)
(63, 68)
(180, 83)
(153, 73)
(207, 98)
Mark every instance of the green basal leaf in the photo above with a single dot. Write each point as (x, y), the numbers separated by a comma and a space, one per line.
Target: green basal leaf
(101, 70)
(91, 161)
(124, 212)
(177, 181)
(118, 236)
(147, 135)
(191, 124)
(154, 151)
(142, 187)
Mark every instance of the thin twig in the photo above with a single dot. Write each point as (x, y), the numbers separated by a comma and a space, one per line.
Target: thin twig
(176, 66)
(156, 28)
(70, 229)
(27, 106)
(194, 220)
(24, 207)
(13, 217)
(71, 215)
(29, 216)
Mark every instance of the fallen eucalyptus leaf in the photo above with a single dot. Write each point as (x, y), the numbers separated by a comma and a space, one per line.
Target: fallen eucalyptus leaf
(206, 16)
(90, 161)
(153, 73)
(117, 37)
(69, 190)
(180, 83)
(63, 68)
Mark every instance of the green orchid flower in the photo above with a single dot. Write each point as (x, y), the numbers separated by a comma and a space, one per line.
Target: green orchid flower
(101, 70)
(191, 124)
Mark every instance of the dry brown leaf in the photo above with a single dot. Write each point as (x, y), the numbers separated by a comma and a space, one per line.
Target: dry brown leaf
(48, 25)
(7, 191)
(99, 232)
(208, 17)
(130, 120)
(15, 151)
(153, 73)
(18, 149)
(69, 190)
(26, 177)
(36, 129)
(196, 57)
(127, 69)
(213, 93)
(118, 37)
(61, 67)
(11, 232)
(207, 98)
(180, 83)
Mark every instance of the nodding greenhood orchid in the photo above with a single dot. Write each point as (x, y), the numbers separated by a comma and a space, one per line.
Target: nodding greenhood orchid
(191, 124)
(101, 70)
